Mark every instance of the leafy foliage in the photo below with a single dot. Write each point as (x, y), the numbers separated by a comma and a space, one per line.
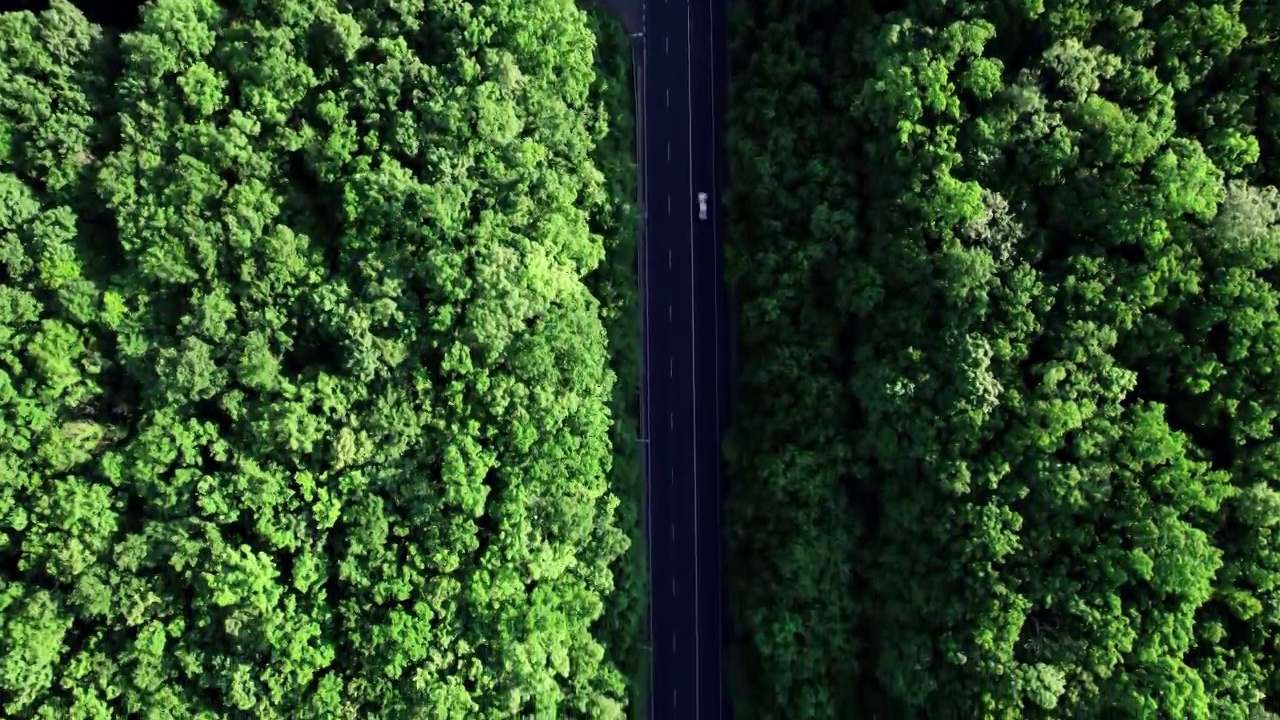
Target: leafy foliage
(1009, 307)
(615, 283)
(307, 403)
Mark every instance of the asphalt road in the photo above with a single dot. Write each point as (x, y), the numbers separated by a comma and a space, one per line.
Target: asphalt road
(681, 79)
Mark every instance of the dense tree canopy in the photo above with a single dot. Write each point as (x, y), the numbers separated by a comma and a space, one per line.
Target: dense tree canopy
(616, 284)
(1009, 277)
(305, 397)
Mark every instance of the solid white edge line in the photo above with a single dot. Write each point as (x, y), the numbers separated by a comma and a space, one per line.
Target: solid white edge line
(646, 318)
(693, 354)
(715, 260)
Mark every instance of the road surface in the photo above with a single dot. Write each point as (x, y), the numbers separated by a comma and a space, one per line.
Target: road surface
(681, 75)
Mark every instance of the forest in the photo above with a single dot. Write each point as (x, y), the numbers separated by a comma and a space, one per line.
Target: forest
(1008, 278)
(318, 357)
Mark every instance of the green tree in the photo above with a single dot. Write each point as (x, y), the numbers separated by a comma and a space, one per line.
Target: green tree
(1007, 306)
(306, 396)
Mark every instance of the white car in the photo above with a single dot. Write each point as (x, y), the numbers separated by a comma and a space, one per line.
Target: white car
(702, 206)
